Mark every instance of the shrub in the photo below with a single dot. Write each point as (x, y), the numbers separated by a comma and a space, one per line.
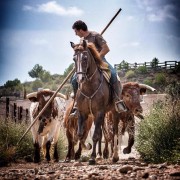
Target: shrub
(160, 79)
(158, 135)
(10, 135)
(173, 90)
(130, 74)
(11, 132)
(142, 69)
(148, 82)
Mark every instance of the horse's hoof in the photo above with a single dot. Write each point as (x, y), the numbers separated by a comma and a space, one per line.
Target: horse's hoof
(99, 159)
(115, 159)
(67, 160)
(92, 162)
(77, 157)
(127, 150)
(56, 160)
(105, 155)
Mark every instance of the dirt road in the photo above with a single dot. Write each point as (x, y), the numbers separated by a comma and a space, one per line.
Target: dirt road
(128, 167)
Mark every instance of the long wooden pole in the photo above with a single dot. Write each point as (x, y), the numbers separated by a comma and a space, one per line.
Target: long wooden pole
(46, 105)
(111, 21)
(65, 80)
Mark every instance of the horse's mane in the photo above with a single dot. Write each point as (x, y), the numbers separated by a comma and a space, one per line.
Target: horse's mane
(96, 56)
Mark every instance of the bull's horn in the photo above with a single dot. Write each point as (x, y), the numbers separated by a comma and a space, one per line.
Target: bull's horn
(62, 96)
(30, 95)
(147, 87)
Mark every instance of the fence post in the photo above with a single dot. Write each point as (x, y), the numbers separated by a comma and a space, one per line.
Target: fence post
(20, 112)
(27, 115)
(14, 109)
(7, 107)
(165, 65)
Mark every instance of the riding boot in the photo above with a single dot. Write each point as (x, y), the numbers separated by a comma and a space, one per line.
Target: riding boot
(74, 111)
(119, 103)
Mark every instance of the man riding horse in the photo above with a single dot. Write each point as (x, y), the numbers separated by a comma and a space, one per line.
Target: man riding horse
(82, 31)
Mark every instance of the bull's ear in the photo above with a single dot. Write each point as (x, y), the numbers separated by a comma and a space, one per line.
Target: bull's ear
(33, 99)
(32, 96)
(72, 45)
(142, 91)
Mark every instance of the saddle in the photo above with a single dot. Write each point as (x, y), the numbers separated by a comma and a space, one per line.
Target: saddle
(106, 73)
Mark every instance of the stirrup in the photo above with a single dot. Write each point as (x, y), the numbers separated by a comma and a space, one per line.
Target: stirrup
(120, 106)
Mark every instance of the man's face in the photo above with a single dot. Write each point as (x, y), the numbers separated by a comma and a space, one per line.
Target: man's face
(78, 33)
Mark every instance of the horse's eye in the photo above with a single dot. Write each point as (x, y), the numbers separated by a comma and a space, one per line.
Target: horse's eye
(85, 57)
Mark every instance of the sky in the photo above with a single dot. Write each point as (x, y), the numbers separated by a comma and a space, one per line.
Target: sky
(40, 31)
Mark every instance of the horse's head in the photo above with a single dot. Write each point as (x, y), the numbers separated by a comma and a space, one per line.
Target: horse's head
(81, 59)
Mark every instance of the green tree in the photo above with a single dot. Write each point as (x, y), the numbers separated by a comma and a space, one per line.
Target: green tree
(12, 84)
(123, 65)
(37, 84)
(154, 62)
(11, 88)
(67, 71)
(45, 76)
(36, 71)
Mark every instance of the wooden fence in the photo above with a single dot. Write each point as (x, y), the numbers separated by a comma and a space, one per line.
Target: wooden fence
(14, 109)
(167, 65)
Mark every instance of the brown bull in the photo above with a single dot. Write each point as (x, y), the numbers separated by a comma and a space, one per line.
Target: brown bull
(71, 132)
(46, 129)
(131, 96)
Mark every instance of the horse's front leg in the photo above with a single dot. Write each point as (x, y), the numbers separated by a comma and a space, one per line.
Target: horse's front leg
(99, 147)
(81, 126)
(99, 119)
(78, 152)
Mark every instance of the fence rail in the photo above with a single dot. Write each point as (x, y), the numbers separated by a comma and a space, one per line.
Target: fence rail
(167, 65)
(14, 110)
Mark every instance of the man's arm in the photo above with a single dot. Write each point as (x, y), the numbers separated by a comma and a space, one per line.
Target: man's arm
(104, 51)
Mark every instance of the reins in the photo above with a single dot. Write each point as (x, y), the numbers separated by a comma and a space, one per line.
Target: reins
(91, 75)
(90, 97)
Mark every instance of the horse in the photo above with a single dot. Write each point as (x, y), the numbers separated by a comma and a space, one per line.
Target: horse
(94, 95)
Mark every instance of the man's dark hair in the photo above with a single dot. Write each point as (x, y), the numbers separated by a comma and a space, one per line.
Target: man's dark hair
(80, 25)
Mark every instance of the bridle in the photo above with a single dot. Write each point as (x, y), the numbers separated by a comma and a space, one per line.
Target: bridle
(79, 62)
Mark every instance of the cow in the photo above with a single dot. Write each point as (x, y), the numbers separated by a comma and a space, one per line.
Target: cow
(70, 124)
(46, 129)
(131, 95)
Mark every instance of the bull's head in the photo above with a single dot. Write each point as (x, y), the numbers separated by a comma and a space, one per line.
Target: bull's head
(131, 95)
